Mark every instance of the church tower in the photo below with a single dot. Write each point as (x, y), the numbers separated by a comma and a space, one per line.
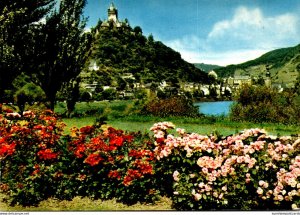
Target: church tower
(268, 81)
(112, 13)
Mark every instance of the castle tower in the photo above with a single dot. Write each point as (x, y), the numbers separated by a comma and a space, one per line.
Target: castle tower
(112, 18)
(112, 13)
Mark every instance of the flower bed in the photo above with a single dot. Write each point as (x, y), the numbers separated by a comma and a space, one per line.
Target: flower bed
(246, 171)
(38, 161)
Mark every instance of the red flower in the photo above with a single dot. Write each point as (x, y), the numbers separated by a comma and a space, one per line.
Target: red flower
(160, 140)
(79, 150)
(116, 141)
(127, 180)
(47, 154)
(128, 138)
(112, 148)
(35, 172)
(114, 174)
(98, 144)
(87, 130)
(93, 159)
(144, 167)
(7, 149)
(134, 173)
(143, 153)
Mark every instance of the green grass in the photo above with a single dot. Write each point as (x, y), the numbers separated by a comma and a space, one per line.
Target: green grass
(87, 204)
(201, 126)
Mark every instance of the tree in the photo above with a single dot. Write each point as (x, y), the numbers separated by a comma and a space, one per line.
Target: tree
(60, 48)
(16, 19)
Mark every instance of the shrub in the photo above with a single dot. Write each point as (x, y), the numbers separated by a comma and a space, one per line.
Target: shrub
(263, 104)
(38, 162)
(112, 164)
(174, 106)
(247, 171)
(29, 150)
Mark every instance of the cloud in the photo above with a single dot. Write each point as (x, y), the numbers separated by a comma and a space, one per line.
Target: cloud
(250, 27)
(221, 58)
(246, 36)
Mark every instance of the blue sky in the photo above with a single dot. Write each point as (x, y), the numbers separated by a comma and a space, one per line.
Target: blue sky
(219, 32)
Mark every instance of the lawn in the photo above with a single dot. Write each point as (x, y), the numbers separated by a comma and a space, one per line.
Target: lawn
(87, 204)
(121, 115)
(223, 127)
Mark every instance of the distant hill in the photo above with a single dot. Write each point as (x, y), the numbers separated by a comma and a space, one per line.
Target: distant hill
(284, 66)
(206, 67)
(117, 51)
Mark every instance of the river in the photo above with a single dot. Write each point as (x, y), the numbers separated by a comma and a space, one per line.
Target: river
(214, 108)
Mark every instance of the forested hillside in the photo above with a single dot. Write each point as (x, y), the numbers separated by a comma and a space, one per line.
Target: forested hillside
(284, 65)
(206, 67)
(117, 51)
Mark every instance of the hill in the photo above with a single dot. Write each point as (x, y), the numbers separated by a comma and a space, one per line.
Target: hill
(206, 67)
(125, 50)
(283, 64)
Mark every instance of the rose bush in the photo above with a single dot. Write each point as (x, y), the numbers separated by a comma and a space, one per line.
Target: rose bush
(30, 153)
(110, 163)
(250, 170)
(38, 161)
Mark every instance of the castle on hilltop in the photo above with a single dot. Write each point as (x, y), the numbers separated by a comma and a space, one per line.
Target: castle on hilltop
(112, 18)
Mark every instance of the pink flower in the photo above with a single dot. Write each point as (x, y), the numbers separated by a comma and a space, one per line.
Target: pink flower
(240, 159)
(197, 196)
(261, 183)
(280, 197)
(205, 170)
(176, 176)
(259, 191)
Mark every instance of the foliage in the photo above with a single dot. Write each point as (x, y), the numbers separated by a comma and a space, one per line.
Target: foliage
(17, 17)
(247, 171)
(60, 48)
(263, 104)
(206, 67)
(32, 92)
(125, 50)
(174, 106)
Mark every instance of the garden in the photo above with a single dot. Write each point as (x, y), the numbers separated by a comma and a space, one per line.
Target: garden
(247, 170)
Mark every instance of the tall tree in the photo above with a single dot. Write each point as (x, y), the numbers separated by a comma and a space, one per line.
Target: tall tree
(16, 19)
(61, 48)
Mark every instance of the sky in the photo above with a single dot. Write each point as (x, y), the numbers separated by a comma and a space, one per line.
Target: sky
(221, 32)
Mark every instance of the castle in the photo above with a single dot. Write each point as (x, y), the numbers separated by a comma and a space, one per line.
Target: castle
(112, 18)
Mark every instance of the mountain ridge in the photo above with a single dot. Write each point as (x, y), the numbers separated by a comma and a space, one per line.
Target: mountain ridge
(283, 65)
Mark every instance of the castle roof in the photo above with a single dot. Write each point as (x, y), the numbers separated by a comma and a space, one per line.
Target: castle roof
(112, 7)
